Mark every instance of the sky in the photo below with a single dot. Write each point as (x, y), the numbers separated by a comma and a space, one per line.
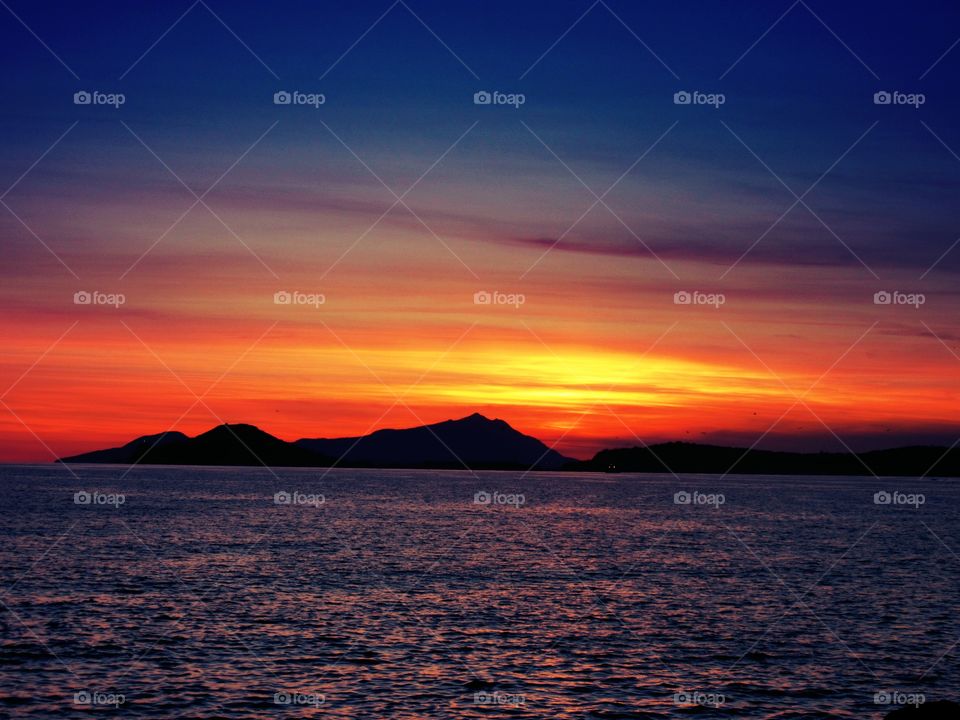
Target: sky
(588, 203)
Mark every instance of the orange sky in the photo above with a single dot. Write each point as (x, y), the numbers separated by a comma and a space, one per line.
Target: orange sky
(588, 361)
(598, 355)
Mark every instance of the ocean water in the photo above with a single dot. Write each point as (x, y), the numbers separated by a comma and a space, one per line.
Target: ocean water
(201, 593)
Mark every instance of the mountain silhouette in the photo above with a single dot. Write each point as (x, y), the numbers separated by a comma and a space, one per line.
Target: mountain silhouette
(683, 457)
(133, 451)
(478, 443)
(235, 445)
(475, 441)
(223, 445)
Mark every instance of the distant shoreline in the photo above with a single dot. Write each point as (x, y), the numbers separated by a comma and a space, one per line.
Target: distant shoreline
(562, 471)
(476, 443)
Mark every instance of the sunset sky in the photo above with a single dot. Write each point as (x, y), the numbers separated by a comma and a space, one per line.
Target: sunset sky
(199, 198)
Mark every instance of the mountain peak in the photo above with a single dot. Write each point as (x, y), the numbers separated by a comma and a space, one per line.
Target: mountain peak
(236, 427)
(474, 441)
(476, 418)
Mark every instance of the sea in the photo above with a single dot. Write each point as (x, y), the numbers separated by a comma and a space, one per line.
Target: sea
(185, 592)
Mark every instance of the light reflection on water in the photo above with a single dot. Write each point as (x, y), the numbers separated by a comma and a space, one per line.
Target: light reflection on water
(399, 596)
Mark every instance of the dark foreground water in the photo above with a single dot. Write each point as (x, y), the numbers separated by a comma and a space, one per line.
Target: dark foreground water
(192, 593)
